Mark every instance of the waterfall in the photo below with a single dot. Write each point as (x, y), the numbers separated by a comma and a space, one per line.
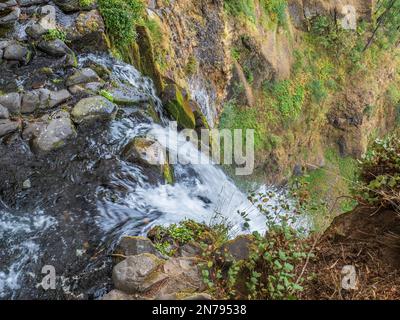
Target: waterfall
(129, 203)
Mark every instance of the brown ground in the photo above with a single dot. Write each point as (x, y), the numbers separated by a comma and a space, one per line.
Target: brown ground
(367, 239)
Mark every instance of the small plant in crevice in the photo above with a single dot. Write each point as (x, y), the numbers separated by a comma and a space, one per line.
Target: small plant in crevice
(272, 268)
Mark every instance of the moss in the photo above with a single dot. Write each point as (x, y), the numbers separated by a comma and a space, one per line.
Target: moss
(179, 107)
(148, 66)
(168, 173)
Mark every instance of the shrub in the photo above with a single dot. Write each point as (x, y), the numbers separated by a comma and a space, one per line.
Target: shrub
(121, 17)
(380, 173)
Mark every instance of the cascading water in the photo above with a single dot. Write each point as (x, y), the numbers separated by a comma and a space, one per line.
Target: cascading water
(77, 233)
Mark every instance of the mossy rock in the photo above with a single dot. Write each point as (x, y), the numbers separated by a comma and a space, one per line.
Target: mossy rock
(178, 106)
(148, 66)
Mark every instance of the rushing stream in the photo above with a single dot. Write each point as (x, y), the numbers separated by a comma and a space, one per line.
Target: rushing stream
(87, 197)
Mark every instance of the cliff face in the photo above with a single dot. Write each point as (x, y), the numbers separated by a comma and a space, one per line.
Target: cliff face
(234, 60)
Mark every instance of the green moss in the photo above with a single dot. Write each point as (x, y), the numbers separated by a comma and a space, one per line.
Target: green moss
(168, 174)
(179, 108)
(120, 18)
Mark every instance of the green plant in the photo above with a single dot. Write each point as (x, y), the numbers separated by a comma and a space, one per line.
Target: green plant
(241, 8)
(271, 270)
(380, 173)
(54, 34)
(86, 3)
(276, 10)
(121, 17)
(106, 95)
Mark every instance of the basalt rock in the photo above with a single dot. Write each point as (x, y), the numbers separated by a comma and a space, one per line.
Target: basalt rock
(94, 108)
(55, 135)
(85, 75)
(7, 126)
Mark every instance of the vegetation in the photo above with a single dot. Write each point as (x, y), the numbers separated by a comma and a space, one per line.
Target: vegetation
(121, 17)
(272, 269)
(380, 173)
(54, 34)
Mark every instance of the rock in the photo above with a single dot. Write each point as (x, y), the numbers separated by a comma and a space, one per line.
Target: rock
(4, 114)
(118, 295)
(12, 101)
(58, 97)
(9, 15)
(178, 106)
(35, 31)
(125, 96)
(132, 246)
(17, 52)
(70, 5)
(200, 118)
(144, 150)
(89, 32)
(199, 297)
(7, 126)
(56, 48)
(27, 184)
(148, 65)
(182, 276)
(91, 108)
(137, 274)
(30, 101)
(85, 75)
(191, 249)
(32, 129)
(238, 248)
(49, 21)
(55, 135)
(7, 3)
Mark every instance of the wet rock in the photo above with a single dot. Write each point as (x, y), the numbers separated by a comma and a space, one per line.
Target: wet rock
(7, 126)
(94, 108)
(35, 31)
(58, 97)
(30, 101)
(89, 32)
(7, 3)
(191, 249)
(132, 246)
(144, 150)
(125, 96)
(200, 119)
(137, 274)
(238, 248)
(178, 106)
(12, 101)
(85, 75)
(4, 114)
(55, 48)
(9, 15)
(28, 3)
(148, 65)
(27, 184)
(32, 129)
(55, 135)
(90, 88)
(17, 52)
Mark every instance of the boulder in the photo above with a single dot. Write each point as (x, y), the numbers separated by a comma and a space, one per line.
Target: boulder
(7, 4)
(55, 135)
(137, 274)
(17, 52)
(4, 114)
(144, 150)
(125, 96)
(97, 107)
(89, 32)
(238, 248)
(12, 101)
(7, 126)
(9, 15)
(58, 97)
(30, 101)
(132, 246)
(35, 31)
(178, 106)
(85, 75)
(55, 48)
